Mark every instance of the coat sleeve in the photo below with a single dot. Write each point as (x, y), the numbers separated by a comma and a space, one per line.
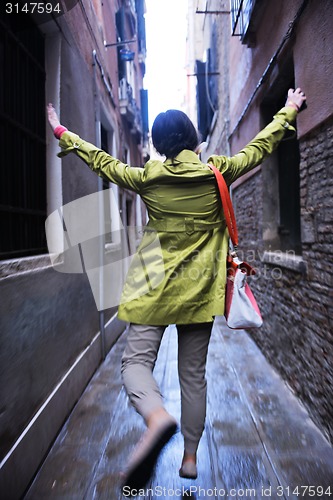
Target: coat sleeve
(102, 163)
(259, 148)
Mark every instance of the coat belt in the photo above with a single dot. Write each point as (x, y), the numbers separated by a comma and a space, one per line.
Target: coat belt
(183, 225)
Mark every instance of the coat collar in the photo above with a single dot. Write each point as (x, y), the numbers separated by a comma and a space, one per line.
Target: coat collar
(185, 156)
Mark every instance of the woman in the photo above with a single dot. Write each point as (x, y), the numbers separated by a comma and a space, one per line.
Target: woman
(185, 216)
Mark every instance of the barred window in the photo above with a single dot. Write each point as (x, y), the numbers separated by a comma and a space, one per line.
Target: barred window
(281, 175)
(22, 136)
(241, 14)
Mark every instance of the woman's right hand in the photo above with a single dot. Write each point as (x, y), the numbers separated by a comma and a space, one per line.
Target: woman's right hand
(52, 116)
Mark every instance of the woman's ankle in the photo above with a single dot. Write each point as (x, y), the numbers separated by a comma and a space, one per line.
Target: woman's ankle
(157, 416)
(189, 457)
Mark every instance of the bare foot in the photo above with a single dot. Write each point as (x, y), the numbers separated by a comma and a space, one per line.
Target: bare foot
(52, 116)
(188, 468)
(161, 427)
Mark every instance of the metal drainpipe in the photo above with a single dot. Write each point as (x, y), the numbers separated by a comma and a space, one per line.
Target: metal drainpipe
(100, 213)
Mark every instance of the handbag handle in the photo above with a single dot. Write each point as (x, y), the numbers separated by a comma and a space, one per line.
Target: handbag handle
(228, 209)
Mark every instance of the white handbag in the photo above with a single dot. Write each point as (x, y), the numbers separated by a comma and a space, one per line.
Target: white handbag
(241, 308)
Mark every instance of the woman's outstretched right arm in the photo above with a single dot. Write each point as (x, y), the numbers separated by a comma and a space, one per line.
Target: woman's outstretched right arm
(264, 143)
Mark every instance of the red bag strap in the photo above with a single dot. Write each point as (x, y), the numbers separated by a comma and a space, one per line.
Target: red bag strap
(228, 209)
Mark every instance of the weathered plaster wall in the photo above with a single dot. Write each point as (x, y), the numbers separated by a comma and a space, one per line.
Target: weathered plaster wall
(41, 335)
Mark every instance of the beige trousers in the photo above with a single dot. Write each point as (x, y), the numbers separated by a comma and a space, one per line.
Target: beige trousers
(138, 362)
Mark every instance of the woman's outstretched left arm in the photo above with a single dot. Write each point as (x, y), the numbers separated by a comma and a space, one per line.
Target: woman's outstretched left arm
(99, 161)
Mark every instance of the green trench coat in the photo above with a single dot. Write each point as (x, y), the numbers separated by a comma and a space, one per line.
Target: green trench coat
(178, 274)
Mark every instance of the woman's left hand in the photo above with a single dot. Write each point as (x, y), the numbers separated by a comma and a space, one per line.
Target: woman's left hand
(296, 98)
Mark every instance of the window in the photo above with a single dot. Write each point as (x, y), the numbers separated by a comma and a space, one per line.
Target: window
(125, 54)
(120, 24)
(242, 17)
(207, 91)
(281, 176)
(144, 116)
(289, 229)
(127, 73)
(106, 185)
(140, 9)
(22, 135)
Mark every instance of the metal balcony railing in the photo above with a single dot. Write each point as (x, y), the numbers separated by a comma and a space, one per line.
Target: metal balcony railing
(129, 107)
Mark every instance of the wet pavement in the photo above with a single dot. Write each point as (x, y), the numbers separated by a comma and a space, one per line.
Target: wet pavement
(259, 441)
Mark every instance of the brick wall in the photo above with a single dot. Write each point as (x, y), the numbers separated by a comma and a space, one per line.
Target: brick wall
(297, 335)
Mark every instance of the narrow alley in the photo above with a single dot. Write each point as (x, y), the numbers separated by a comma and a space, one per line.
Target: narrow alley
(259, 440)
(162, 88)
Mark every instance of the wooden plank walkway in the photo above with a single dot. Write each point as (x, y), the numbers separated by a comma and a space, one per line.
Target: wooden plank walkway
(259, 442)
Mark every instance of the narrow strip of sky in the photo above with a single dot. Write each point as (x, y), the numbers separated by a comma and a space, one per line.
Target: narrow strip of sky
(166, 30)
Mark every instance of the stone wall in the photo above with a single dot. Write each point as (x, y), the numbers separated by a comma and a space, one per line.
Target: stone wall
(297, 306)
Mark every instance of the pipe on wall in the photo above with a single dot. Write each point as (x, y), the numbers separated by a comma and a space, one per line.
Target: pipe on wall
(101, 217)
